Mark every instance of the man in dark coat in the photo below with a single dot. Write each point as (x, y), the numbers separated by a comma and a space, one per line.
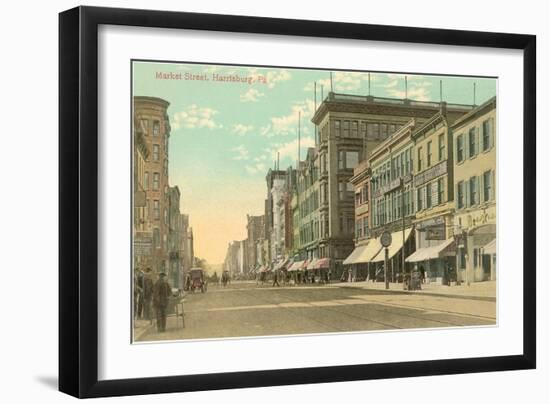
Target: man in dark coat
(147, 290)
(138, 294)
(161, 294)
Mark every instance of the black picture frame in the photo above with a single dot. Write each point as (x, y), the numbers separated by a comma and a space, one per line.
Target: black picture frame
(78, 200)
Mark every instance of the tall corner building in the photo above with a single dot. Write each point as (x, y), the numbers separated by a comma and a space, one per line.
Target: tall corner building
(150, 114)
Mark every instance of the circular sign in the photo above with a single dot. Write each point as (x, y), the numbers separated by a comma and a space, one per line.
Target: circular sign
(385, 239)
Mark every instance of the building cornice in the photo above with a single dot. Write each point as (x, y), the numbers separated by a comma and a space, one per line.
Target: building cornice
(484, 108)
(430, 124)
(381, 106)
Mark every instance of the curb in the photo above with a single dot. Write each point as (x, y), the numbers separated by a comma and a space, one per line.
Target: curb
(140, 333)
(435, 294)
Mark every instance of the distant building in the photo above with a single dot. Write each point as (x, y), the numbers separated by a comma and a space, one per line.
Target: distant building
(279, 186)
(255, 231)
(175, 238)
(307, 199)
(233, 258)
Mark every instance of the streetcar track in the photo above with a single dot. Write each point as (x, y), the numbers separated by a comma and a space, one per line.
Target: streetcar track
(329, 309)
(283, 298)
(336, 310)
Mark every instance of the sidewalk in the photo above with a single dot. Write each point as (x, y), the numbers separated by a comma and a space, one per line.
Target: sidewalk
(477, 290)
(141, 327)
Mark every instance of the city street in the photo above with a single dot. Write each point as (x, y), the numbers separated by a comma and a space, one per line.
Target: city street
(247, 309)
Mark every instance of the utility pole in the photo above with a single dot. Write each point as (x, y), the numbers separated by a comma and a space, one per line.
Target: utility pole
(331, 89)
(406, 89)
(369, 83)
(299, 119)
(474, 93)
(403, 224)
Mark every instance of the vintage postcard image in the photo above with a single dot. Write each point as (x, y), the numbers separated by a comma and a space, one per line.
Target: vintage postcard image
(286, 201)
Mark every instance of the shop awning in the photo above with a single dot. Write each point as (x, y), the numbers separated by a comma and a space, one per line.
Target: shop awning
(395, 246)
(312, 263)
(490, 247)
(353, 258)
(322, 263)
(296, 266)
(373, 248)
(281, 264)
(430, 253)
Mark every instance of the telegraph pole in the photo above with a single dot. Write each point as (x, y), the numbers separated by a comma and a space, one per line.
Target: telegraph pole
(385, 240)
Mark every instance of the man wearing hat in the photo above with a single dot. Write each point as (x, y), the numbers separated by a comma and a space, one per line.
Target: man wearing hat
(161, 294)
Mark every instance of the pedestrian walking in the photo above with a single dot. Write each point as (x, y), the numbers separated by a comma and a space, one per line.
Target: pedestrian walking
(422, 274)
(147, 290)
(275, 279)
(138, 294)
(161, 294)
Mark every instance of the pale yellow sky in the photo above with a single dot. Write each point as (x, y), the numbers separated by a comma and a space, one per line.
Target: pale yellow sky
(217, 210)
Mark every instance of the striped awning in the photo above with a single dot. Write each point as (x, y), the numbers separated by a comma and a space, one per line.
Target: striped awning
(281, 264)
(296, 266)
(322, 263)
(312, 263)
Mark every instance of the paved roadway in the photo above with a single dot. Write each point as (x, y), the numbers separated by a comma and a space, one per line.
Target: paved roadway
(245, 309)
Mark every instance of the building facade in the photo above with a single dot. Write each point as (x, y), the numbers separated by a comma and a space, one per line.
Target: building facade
(474, 142)
(350, 127)
(150, 114)
(255, 230)
(307, 203)
(142, 227)
(392, 199)
(434, 192)
(175, 238)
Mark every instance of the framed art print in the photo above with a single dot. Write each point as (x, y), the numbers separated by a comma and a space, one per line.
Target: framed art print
(305, 201)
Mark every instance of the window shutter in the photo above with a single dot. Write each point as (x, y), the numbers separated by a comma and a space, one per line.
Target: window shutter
(482, 188)
(478, 193)
(493, 186)
(491, 132)
(477, 140)
(435, 193)
(467, 193)
(466, 145)
(456, 196)
(425, 196)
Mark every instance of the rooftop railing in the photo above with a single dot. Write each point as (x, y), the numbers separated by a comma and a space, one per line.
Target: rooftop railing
(335, 97)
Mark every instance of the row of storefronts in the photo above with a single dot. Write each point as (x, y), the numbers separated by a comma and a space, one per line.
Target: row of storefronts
(432, 185)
